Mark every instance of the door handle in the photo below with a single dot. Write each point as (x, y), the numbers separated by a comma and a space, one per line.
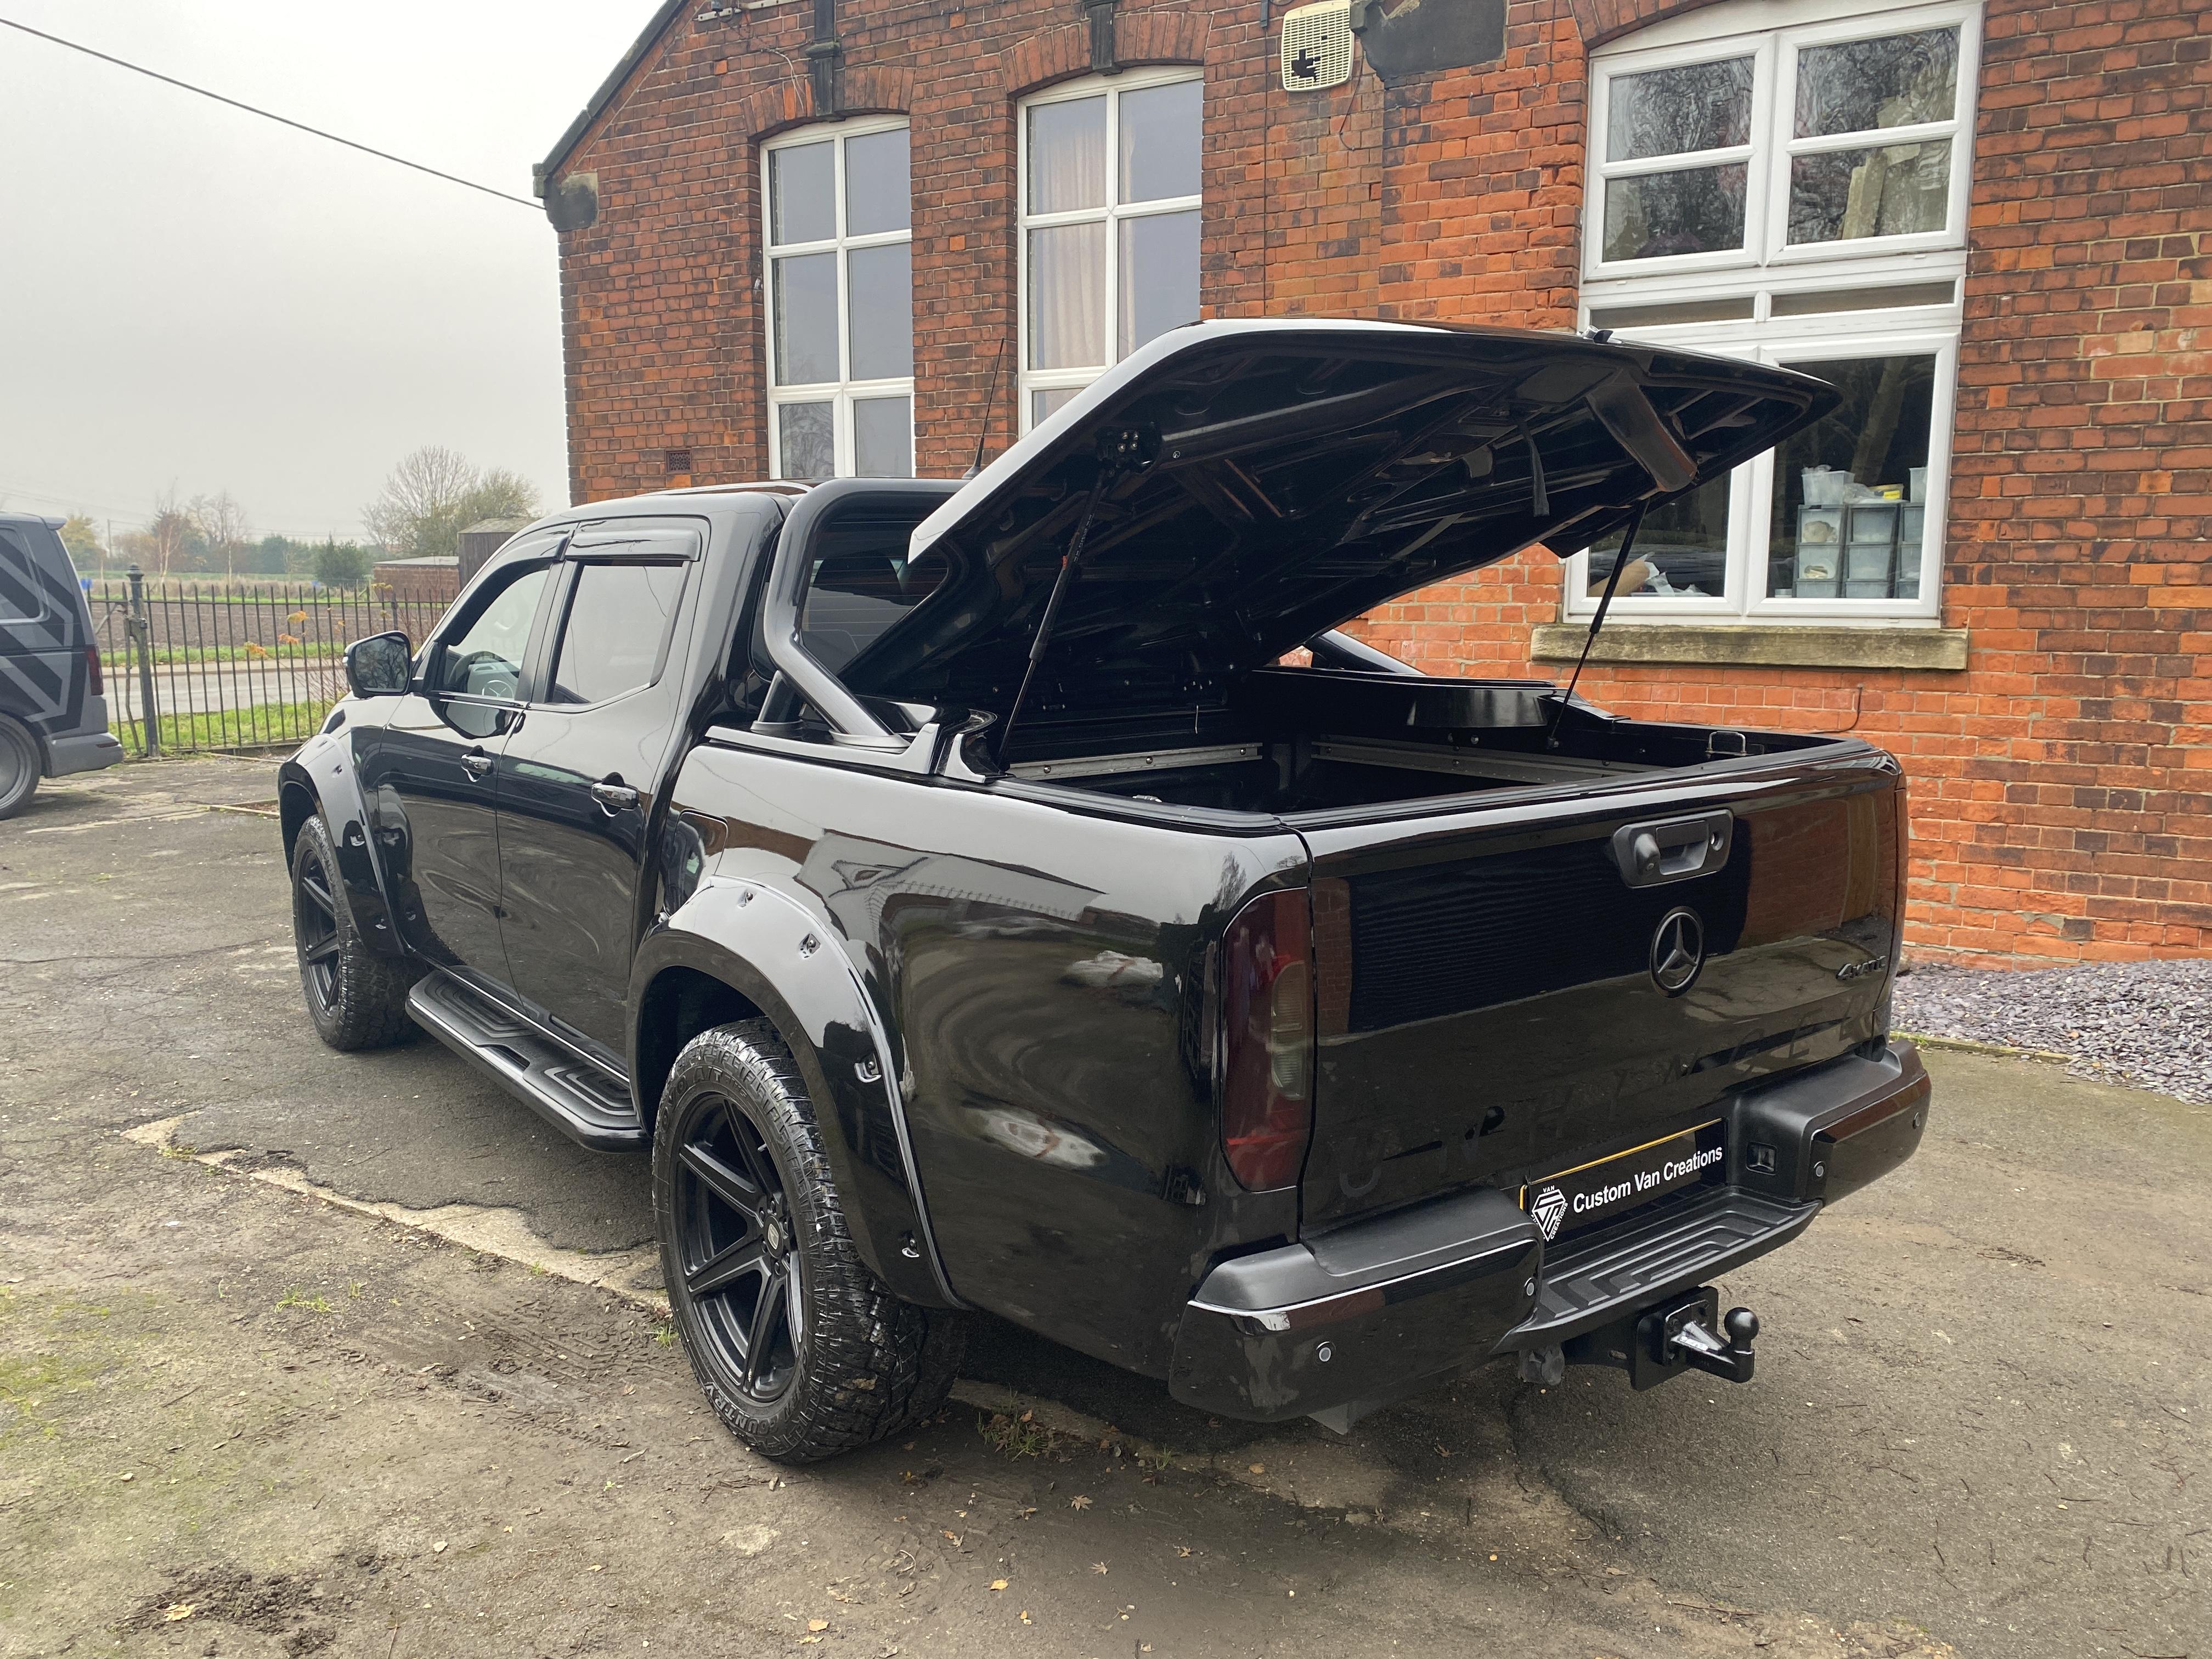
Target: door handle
(477, 763)
(615, 796)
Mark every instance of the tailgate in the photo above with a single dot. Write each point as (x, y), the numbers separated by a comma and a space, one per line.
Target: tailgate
(1502, 993)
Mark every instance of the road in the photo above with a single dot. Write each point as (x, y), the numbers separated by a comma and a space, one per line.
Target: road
(302, 1352)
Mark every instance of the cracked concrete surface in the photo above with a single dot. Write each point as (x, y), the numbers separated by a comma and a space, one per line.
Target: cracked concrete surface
(303, 1382)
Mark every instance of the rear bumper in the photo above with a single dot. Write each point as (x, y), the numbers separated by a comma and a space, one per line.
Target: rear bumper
(84, 751)
(1375, 1309)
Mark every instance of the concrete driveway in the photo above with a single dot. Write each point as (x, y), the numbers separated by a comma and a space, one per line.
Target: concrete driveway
(304, 1351)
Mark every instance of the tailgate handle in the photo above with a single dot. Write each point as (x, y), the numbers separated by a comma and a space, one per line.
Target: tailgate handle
(1673, 849)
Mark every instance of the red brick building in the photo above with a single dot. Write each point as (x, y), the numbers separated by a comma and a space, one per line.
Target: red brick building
(800, 236)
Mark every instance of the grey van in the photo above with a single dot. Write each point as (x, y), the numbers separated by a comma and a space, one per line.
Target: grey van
(53, 709)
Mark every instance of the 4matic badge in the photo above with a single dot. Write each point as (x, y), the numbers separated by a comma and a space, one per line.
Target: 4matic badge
(1549, 1209)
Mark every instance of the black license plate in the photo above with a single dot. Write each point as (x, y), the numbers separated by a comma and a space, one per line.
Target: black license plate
(1591, 1194)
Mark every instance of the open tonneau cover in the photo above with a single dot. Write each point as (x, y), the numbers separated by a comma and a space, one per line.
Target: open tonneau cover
(1249, 484)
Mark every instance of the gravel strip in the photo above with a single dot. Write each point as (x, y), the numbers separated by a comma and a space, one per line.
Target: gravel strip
(2145, 1023)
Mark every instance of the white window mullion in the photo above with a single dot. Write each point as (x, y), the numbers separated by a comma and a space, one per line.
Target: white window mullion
(1110, 346)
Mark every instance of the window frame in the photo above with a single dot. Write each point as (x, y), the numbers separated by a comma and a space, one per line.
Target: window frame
(1774, 47)
(844, 392)
(1029, 380)
(1767, 269)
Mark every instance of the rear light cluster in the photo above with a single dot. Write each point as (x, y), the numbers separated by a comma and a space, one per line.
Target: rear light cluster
(95, 685)
(1267, 1040)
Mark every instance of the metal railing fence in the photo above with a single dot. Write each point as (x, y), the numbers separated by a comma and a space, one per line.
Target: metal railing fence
(200, 667)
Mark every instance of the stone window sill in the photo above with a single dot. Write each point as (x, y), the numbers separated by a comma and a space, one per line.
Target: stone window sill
(1942, 649)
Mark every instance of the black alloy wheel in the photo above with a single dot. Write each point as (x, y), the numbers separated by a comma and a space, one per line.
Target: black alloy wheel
(800, 1349)
(356, 997)
(315, 930)
(739, 1249)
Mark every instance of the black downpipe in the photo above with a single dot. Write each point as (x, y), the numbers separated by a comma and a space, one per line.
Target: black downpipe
(825, 62)
(1604, 604)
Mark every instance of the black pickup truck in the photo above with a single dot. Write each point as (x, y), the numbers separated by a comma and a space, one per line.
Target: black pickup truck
(956, 889)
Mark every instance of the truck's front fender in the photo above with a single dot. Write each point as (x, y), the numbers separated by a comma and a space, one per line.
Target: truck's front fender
(761, 945)
(318, 778)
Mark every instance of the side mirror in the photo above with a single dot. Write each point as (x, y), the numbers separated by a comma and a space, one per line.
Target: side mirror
(378, 667)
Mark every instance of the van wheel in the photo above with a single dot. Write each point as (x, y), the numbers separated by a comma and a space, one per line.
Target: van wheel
(801, 1351)
(357, 999)
(20, 766)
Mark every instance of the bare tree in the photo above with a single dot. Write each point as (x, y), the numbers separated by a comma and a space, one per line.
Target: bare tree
(222, 523)
(418, 513)
(168, 533)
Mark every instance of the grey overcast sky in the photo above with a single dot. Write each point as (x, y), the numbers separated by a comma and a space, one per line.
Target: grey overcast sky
(193, 296)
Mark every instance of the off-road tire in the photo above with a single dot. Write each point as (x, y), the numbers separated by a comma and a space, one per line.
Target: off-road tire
(868, 1364)
(21, 766)
(360, 1002)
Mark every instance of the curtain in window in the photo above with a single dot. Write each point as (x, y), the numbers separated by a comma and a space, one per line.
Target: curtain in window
(1067, 296)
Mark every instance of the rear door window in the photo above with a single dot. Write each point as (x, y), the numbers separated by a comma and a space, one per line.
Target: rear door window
(616, 641)
(19, 581)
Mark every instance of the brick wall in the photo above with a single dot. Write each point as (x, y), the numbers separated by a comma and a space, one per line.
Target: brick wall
(2062, 786)
(2060, 804)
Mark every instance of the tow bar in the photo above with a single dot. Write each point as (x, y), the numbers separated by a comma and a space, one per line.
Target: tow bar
(1682, 1332)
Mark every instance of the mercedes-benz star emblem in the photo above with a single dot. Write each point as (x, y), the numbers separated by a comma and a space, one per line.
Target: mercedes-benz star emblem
(1678, 951)
(1549, 1210)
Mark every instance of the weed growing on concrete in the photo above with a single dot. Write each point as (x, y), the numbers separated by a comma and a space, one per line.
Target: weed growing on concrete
(294, 1297)
(1014, 1437)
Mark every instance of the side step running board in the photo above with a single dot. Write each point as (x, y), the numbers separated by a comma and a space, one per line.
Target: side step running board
(582, 1100)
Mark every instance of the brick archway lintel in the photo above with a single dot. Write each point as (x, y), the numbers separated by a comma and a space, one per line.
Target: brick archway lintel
(790, 102)
(1601, 21)
(1156, 35)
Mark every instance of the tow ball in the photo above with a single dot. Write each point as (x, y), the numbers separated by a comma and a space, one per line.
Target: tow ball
(1691, 1333)
(1684, 1332)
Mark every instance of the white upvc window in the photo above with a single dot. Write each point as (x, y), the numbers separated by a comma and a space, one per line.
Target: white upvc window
(1109, 226)
(839, 236)
(1787, 183)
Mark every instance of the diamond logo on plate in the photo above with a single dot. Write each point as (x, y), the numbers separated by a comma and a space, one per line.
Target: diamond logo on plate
(1550, 1209)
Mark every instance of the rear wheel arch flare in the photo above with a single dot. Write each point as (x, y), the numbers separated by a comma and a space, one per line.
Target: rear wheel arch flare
(821, 1010)
(678, 1004)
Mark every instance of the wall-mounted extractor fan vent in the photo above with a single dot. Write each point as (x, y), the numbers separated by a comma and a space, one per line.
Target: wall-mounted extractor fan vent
(1317, 46)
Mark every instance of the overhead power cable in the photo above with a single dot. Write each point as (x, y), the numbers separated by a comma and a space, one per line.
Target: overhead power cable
(270, 115)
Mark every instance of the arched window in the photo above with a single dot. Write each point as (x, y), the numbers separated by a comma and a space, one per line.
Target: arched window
(840, 301)
(1109, 226)
(1789, 183)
